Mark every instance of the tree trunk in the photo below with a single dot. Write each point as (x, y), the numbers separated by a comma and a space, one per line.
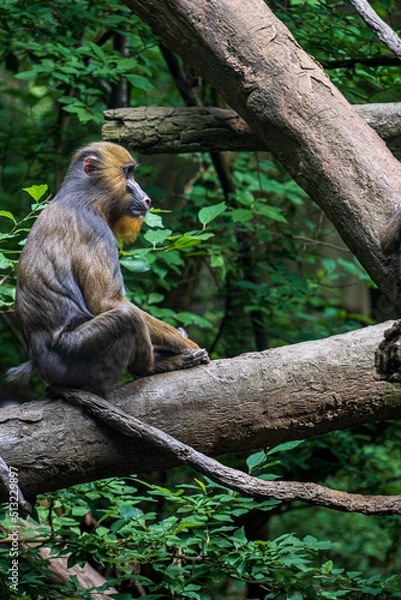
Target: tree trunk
(247, 402)
(245, 52)
(158, 129)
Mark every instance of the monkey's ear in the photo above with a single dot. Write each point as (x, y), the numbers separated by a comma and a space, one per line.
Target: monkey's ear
(90, 164)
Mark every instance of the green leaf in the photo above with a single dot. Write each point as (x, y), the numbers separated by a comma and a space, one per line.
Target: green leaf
(286, 446)
(153, 220)
(312, 542)
(157, 236)
(79, 511)
(208, 213)
(201, 485)
(25, 75)
(102, 531)
(155, 298)
(241, 215)
(217, 261)
(255, 460)
(97, 50)
(272, 212)
(239, 535)
(7, 294)
(127, 511)
(5, 263)
(205, 235)
(185, 241)
(7, 215)
(139, 82)
(189, 318)
(36, 191)
(136, 264)
(327, 567)
(128, 64)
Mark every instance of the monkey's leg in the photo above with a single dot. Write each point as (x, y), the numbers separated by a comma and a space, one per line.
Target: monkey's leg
(172, 350)
(167, 337)
(96, 353)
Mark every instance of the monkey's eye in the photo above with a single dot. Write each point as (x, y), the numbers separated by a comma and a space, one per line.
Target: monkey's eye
(128, 170)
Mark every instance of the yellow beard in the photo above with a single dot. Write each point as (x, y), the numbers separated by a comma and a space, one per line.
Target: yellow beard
(127, 228)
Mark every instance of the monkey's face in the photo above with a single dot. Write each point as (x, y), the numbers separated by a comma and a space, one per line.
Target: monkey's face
(139, 202)
(117, 195)
(129, 222)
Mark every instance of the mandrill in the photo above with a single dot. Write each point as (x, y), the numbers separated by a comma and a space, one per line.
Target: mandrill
(80, 329)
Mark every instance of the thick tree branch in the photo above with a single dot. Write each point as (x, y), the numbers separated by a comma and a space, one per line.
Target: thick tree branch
(158, 130)
(380, 27)
(251, 401)
(311, 493)
(245, 52)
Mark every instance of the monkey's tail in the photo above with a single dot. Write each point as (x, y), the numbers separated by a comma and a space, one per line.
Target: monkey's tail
(21, 374)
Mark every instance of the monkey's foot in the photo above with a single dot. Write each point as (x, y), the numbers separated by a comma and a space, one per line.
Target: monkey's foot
(192, 358)
(388, 354)
(185, 360)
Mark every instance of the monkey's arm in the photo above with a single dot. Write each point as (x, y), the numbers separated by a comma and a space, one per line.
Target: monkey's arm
(104, 291)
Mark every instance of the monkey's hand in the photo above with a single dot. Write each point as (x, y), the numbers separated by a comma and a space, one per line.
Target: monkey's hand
(166, 361)
(388, 354)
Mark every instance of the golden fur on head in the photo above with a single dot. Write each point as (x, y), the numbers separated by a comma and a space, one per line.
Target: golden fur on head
(110, 159)
(110, 152)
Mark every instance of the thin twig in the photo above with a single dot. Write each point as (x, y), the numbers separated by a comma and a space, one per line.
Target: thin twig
(378, 26)
(311, 493)
(314, 242)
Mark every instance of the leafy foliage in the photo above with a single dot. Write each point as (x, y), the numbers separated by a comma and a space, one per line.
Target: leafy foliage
(198, 541)
(13, 238)
(256, 268)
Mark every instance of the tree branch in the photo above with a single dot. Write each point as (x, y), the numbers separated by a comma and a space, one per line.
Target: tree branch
(248, 402)
(378, 26)
(246, 53)
(158, 130)
(311, 493)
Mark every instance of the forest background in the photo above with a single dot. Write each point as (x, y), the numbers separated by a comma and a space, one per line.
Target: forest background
(263, 268)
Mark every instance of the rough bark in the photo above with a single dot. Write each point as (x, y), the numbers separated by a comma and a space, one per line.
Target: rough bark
(244, 51)
(384, 118)
(247, 402)
(312, 493)
(158, 130)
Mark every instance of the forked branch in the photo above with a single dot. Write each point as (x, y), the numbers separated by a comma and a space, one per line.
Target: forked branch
(311, 493)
